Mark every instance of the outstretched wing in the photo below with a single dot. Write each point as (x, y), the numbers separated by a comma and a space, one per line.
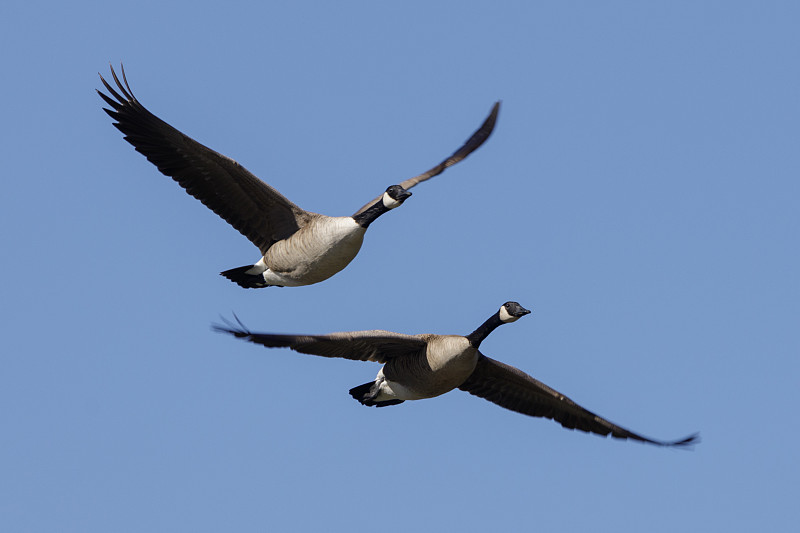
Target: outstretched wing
(513, 389)
(255, 209)
(374, 345)
(472, 144)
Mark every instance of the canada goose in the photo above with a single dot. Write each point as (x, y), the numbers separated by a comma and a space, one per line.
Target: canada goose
(298, 247)
(427, 365)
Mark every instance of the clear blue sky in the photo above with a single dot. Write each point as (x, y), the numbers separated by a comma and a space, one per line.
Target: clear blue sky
(640, 195)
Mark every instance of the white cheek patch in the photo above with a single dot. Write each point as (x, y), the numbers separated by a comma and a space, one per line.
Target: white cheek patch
(505, 316)
(389, 202)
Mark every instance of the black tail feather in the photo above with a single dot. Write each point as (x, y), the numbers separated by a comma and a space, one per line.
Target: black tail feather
(366, 393)
(387, 403)
(248, 281)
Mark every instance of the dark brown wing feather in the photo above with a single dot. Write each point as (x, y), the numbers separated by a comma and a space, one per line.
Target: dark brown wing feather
(375, 345)
(472, 144)
(255, 209)
(513, 389)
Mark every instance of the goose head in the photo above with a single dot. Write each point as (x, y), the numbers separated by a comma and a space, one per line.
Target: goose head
(511, 312)
(508, 312)
(394, 196)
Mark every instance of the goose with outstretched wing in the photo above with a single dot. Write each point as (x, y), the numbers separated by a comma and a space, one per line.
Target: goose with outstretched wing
(297, 247)
(424, 366)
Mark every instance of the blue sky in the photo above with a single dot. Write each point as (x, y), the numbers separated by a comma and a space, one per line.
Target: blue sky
(639, 194)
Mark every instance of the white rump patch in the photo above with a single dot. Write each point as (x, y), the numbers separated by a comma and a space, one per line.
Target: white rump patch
(258, 268)
(391, 390)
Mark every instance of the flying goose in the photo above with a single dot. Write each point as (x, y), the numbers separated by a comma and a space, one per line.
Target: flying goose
(298, 247)
(428, 365)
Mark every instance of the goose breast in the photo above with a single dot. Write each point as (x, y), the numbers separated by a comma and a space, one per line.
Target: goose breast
(317, 251)
(446, 363)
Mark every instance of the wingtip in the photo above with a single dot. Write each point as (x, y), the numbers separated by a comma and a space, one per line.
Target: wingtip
(486, 129)
(686, 442)
(237, 330)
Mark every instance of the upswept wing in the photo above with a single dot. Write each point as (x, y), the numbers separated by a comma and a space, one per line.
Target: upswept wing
(472, 144)
(255, 209)
(513, 389)
(374, 345)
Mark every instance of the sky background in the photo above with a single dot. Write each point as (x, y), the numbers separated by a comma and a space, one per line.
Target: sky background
(639, 194)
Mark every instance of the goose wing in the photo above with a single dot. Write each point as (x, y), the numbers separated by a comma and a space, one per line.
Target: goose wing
(374, 345)
(513, 389)
(472, 144)
(255, 209)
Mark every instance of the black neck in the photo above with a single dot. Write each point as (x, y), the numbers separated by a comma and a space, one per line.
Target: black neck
(368, 216)
(476, 337)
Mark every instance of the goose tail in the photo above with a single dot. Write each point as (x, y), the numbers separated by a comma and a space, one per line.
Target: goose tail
(241, 277)
(366, 393)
